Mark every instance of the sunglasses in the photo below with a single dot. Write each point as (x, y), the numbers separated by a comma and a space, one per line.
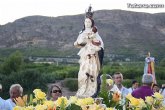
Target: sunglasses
(55, 91)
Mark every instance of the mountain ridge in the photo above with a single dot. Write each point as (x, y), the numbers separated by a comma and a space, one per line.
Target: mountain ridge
(123, 32)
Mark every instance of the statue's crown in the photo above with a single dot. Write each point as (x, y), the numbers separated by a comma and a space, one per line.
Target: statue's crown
(89, 12)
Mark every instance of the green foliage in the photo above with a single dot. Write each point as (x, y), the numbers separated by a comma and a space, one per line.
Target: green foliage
(13, 70)
(162, 62)
(13, 63)
(71, 84)
(28, 79)
(104, 92)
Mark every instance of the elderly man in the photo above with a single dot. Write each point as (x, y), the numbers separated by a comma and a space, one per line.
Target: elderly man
(118, 78)
(1, 100)
(15, 91)
(145, 89)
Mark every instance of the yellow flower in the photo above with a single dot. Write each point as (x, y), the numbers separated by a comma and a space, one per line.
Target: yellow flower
(29, 108)
(158, 96)
(89, 100)
(36, 90)
(40, 95)
(41, 107)
(49, 104)
(116, 97)
(135, 102)
(141, 103)
(95, 107)
(61, 100)
(149, 100)
(85, 101)
(109, 82)
(73, 99)
(17, 108)
(81, 102)
(109, 108)
(129, 96)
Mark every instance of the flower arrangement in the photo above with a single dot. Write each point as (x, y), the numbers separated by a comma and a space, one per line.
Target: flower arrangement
(154, 102)
(39, 102)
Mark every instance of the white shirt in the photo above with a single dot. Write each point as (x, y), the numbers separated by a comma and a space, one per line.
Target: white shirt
(130, 90)
(9, 104)
(2, 103)
(124, 91)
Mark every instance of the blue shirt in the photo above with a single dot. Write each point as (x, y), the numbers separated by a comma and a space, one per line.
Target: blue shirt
(9, 104)
(2, 104)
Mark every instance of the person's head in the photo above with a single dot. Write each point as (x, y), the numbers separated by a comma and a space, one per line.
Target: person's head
(155, 88)
(54, 92)
(118, 78)
(147, 79)
(88, 23)
(15, 91)
(135, 84)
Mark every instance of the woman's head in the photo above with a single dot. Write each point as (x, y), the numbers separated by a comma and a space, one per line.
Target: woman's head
(54, 92)
(88, 23)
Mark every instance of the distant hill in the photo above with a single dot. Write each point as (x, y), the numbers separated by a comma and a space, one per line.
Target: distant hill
(123, 32)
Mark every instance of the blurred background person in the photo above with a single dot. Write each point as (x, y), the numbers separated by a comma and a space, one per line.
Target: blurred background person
(54, 92)
(15, 91)
(155, 88)
(162, 91)
(135, 85)
(1, 100)
(145, 89)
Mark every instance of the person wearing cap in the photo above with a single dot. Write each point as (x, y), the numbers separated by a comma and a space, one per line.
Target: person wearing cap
(135, 85)
(2, 102)
(145, 89)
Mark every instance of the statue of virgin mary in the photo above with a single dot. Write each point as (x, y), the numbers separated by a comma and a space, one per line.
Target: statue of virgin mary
(90, 43)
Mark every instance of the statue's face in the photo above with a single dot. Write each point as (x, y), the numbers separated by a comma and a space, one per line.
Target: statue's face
(88, 23)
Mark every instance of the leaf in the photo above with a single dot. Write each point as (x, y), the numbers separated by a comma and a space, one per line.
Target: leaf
(73, 107)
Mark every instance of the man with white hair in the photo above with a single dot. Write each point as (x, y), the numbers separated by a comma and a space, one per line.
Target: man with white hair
(145, 89)
(1, 100)
(15, 91)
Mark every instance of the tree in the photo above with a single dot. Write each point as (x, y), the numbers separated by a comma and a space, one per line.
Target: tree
(13, 63)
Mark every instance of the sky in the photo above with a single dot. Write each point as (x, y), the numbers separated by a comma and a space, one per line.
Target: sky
(11, 10)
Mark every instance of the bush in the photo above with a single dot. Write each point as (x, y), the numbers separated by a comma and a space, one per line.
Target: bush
(71, 84)
(28, 79)
(13, 63)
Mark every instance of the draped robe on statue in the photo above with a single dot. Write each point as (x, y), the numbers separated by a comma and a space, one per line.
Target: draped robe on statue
(149, 67)
(89, 64)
